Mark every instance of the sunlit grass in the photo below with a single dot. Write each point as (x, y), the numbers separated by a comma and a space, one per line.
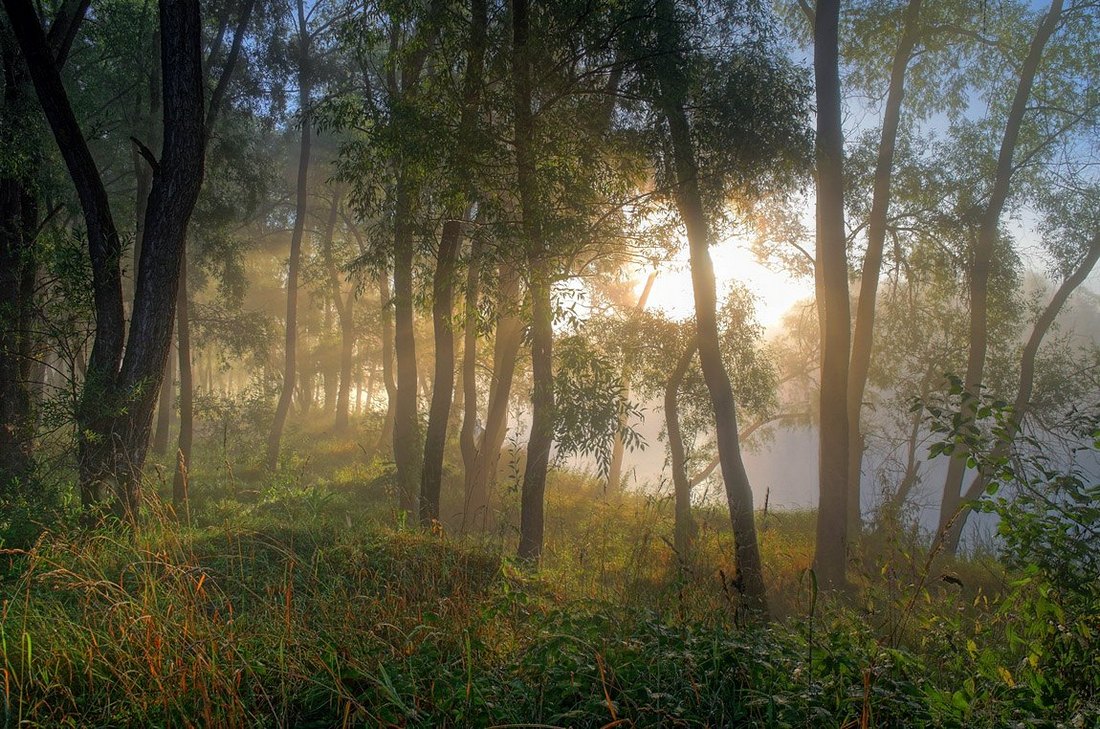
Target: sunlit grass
(299, 599)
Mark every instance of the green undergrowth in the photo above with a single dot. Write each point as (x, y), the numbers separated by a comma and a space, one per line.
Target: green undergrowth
(300, 599)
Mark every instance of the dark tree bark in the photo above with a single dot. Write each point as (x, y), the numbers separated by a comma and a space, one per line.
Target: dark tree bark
(981, 262)
(406, 423)
(443, 281)
(532, 495)
(684, 524)
(17, 223)
(290, 362)
(479, 480)
(830, 557)
(672, 96)
(435, 438)
(120, 390)
(863, 336)
(18, 258)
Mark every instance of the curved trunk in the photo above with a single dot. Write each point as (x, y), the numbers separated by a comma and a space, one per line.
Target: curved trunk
(684, 524)
(1026, 386)
(982, 263)
(863, 336)
(506, 345)
(443, 282)
(750, 578)
(435, 439)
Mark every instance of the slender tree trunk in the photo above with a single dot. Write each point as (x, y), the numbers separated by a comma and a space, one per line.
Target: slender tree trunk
(506, 346)
(684, 524)
(274, 440)
(406, 425)
(165, 404)
(673, 86)
(347, 361)
(615, 471)
(385, 438)
(863, 336)
(981, 263)
(187, 390)
(442, 320)
(1026, 386)
(16, 416)
(467, 438)
(443, 281)
(830, 557)
(532, 495)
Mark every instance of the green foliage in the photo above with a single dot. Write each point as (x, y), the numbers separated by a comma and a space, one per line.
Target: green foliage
(591, 403)
(1049, 528)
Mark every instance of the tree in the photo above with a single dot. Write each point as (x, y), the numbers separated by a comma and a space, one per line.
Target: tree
(446, 262)
(123, 377)
(985, 245)
(863, 334)
(305, 102)
(19, 224)
(830, 557)
(760, 139)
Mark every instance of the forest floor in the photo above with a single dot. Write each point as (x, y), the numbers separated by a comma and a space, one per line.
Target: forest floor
(297, 599)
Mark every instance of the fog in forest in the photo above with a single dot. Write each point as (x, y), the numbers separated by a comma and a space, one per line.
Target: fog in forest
(579, 363)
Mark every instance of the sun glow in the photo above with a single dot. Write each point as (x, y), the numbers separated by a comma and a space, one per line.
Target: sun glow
(734, 263)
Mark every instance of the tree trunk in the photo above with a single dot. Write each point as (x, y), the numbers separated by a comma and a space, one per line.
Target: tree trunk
(506, 345)
(684, 524)
(286, 394)
(345, 309)
(467, 438)
(442, 314)
(1026, 385)
(863, 336)
(16, 251)
(347, 362)
(443, 281)
(166, 404)
(615, 471)
(406, 423)
(117, 403)
(187, 391)
(385, 438)
(830, 557)
(673, 86)
(982, 261)
(532, 495)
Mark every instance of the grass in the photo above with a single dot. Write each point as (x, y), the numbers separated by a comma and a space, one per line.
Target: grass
(293, 600)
